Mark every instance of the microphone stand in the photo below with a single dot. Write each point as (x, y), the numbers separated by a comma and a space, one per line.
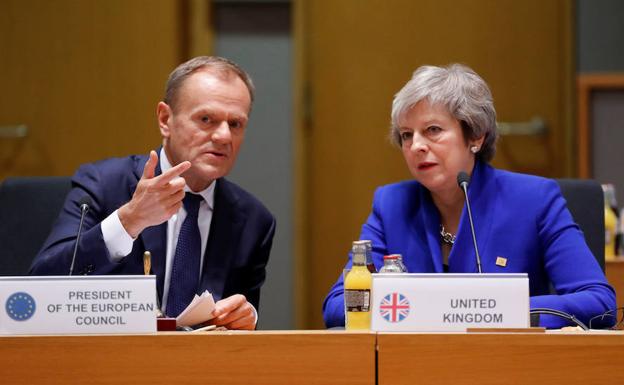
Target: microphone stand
(84, 207)
(463, 183)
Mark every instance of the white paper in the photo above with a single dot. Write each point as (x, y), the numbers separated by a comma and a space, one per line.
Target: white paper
(199, 310)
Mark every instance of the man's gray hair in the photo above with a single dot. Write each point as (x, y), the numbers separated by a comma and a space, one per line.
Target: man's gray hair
(217, 65)
(465, 95)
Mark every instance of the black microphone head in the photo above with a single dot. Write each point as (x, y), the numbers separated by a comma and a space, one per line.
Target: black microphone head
(85, 202)
(462, 177)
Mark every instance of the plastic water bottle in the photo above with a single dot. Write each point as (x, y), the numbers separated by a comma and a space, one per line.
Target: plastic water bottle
(393, 263)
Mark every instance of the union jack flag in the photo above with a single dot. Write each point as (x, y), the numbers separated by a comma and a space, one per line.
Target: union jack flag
(394, 307)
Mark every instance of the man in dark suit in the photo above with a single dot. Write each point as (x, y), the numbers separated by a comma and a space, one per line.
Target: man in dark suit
(203, 232)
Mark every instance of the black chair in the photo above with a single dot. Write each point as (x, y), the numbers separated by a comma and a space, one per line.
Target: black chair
(28, 208)
(586, 203)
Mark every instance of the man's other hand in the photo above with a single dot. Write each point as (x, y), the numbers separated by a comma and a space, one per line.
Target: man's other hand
(234, 312)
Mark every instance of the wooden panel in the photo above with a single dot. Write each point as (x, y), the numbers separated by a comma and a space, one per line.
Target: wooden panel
(200, 39)
(586, 84)
(215, 358)
(301, 213)
(615, 275)
(85, 76)
(313, 358)
(483, 359)
(358, 55)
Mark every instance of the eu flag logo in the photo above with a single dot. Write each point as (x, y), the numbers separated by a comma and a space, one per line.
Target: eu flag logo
(20, 306)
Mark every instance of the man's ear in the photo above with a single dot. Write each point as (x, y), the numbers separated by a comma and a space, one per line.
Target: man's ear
(163, 113)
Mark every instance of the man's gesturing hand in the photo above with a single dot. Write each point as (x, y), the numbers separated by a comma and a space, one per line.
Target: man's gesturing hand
(155, 199)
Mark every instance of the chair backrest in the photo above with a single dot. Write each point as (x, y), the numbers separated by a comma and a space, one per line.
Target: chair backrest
(586, 203)
(28, 208)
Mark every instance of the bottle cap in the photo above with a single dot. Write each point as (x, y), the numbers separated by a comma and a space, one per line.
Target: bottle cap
(359, 258)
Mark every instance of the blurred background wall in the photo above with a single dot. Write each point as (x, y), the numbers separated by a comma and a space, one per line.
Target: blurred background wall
(600, 68)
(84, 77)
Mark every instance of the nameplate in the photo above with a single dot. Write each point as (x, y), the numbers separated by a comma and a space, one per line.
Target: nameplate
(449, 302)
(78, 304)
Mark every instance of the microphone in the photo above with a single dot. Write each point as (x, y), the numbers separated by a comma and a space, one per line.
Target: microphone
(462, 180)
(84, 204)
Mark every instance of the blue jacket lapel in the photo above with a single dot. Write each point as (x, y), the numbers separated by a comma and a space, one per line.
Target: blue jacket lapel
(430, 223)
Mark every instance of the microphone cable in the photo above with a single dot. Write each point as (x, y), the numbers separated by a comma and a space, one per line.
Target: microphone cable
(561, 314)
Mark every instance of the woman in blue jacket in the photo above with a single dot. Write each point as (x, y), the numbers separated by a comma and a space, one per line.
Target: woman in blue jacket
(445, 123)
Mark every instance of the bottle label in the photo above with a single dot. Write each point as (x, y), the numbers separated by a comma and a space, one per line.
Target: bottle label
(357, 300)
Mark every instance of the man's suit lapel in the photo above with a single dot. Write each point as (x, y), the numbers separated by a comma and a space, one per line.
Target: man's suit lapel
(154, 240)
(225, 231)
(155, 237)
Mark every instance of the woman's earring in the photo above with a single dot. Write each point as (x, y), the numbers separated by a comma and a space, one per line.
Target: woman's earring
(474, 149)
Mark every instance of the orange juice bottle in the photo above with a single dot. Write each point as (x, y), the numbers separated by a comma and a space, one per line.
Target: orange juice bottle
(357, 292)
(610, 233)
(611, 219)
